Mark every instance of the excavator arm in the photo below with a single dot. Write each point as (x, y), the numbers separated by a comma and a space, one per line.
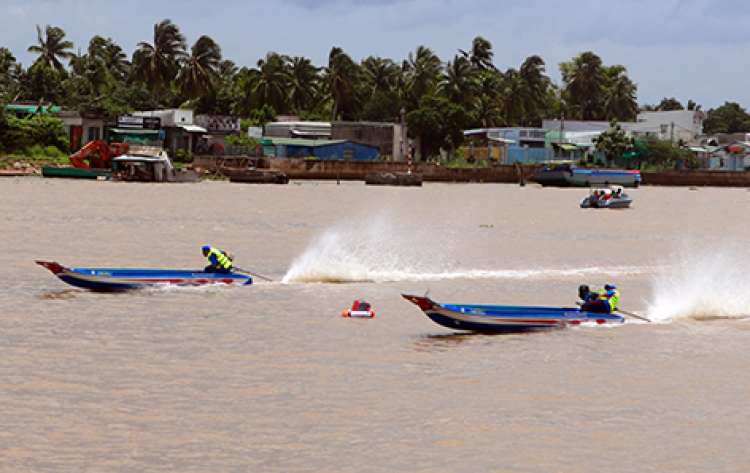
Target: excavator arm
(105, 154)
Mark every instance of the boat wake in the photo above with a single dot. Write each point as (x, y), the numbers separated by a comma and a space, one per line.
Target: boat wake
(703, 284)
(378, 253)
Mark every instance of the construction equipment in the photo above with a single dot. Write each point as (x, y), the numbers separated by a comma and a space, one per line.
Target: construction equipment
(103, 157)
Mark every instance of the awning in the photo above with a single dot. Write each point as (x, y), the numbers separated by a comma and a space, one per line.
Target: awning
(569, 147)
(501, 140)
(32, 108)
(128, 131)
(698, 150)
(192, 128)
(733, 149)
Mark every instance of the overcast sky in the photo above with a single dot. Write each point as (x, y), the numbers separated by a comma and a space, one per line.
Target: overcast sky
(687, 49)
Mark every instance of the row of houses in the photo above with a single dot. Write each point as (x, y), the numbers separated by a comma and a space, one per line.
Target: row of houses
(179, 129)
(573, 140)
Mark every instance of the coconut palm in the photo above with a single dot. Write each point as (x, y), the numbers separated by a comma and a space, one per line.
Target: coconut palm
(52, 47)
(480, 55)
(584, 78)
(537, 84)
(268, 84)
(114, 58)
(379, 75)
(198, 73)
(157, 64)
(303, 82)
(340, 82)
(421, 71)
(620, 95)
(485, 113)
(457, 83)
(513, 98)
(7, 60)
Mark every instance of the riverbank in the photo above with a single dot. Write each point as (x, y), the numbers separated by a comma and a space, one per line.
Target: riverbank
(318, 169)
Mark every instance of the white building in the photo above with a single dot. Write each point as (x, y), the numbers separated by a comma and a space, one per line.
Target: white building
(673, 125)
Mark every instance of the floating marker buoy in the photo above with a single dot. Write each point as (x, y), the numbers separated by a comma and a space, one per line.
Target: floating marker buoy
(360, 308)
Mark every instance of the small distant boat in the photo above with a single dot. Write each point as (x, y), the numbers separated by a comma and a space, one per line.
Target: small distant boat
(506, 318)
(76, 173)
(613, 197)
(568, 175)
(104, 279)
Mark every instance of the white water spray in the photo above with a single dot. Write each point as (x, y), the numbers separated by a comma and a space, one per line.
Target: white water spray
(703, 283)
(377, 250)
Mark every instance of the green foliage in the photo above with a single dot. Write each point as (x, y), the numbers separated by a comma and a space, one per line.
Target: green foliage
(663, 155)
(613, 142)
(668, 104)
(439, 123)
(729, 118)
(258, 117)
(241, 140)
(21, 134)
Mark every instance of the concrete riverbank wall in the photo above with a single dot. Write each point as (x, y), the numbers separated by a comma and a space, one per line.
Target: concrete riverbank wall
(319, 169)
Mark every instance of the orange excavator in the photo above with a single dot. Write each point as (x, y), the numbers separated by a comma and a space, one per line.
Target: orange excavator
(104, 157)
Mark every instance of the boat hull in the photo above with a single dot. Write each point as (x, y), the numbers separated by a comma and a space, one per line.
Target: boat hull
(501, 318)
(76, 173)
(613, 203)
(106, 279)
(586, 177)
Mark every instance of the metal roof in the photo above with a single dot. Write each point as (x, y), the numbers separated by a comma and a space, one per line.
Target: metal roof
(192, 128)
(304, 142)
(32, 108)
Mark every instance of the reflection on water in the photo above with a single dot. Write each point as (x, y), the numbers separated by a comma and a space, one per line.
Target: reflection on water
(270, 377)
(66, 294)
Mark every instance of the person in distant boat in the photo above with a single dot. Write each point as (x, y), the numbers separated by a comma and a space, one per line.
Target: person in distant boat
(219, 261)
(603, 302)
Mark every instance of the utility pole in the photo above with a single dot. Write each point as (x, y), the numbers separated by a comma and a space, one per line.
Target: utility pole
(671, 133)
(562, 128)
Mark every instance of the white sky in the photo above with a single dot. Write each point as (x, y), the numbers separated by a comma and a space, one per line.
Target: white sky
(686, 49)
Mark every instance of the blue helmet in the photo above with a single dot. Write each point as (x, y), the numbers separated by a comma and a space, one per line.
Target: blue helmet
(609, 286)
(206, 248)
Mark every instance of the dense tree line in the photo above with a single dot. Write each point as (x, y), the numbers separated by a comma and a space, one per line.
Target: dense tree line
(437, 99)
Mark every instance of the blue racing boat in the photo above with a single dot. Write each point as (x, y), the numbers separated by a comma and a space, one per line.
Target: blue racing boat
(104, 279)
(506, 318)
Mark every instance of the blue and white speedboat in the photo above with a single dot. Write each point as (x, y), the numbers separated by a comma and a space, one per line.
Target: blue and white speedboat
(106, 279)
(506, 318)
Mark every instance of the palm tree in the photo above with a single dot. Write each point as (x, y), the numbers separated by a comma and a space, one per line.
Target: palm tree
(270, 81)
(52, 47)
(513, 98)
(620, 95)
(304, 78)
(157, 64)
(458, 81)
(340, 81)
(114, 58)
(198, 73)
(421, 70)
(379, 75)
(485, 113)
(7, 60)
(584, 79)
(480, 55)
(537, 86)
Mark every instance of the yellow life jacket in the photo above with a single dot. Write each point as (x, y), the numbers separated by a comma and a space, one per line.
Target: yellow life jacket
(222, 261)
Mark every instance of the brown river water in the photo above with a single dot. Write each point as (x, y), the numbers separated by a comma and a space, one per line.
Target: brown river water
(271, 377)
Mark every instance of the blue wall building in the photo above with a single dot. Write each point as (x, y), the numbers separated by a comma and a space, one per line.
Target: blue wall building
(321, 149)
